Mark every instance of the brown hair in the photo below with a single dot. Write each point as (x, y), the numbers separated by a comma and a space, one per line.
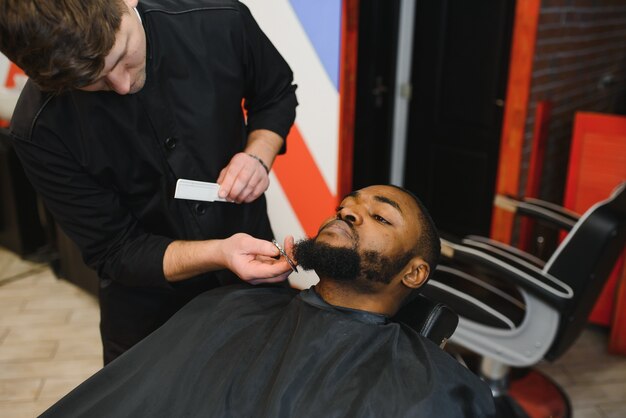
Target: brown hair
(59, 44)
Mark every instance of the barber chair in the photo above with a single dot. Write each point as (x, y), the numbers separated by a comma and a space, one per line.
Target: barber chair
(516, 310)
(434, 320)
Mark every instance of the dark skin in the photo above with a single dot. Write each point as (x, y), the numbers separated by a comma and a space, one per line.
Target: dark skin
(385, 219)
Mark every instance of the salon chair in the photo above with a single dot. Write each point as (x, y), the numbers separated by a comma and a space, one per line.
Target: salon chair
(432, 319)
(515, 309)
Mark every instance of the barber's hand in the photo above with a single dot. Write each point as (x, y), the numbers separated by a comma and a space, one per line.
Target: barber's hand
(243, 180)
(253, 260)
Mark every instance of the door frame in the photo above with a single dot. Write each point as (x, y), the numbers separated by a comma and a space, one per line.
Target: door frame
(515, 112)
(525, 23)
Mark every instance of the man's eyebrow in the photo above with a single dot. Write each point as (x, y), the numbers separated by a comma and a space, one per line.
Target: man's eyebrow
(388, 201)
(378, 198)
(353, 195)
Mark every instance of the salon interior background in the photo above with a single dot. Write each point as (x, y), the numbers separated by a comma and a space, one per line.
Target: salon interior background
(448, 101)
(441, 99)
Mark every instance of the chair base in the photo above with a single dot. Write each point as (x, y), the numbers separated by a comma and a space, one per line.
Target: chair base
(520, 392)
(509, 408)
(537, 396)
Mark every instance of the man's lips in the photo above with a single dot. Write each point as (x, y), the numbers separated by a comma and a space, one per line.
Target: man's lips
(338, 226)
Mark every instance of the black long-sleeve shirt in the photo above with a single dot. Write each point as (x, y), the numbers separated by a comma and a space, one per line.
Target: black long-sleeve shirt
(106, 165)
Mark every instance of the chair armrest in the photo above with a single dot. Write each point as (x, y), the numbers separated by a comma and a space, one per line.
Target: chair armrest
(510, 268)
(540, 210)
(434, 320)
(488, 244)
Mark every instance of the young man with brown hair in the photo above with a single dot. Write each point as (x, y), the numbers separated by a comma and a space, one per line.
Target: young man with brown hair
(123, 100)
(329, 351)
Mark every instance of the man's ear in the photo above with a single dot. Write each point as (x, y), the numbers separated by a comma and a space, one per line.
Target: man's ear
(416, 273)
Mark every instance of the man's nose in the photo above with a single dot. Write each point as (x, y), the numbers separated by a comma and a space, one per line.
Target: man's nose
(350, 215)
(119, 81)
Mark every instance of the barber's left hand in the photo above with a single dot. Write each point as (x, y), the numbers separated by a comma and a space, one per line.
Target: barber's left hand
(243, 180)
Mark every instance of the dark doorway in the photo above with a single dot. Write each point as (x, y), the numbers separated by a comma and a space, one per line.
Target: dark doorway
(378, 27)
(459, 77)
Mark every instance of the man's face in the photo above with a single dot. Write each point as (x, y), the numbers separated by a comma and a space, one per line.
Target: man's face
(125, 65)
(372, 236)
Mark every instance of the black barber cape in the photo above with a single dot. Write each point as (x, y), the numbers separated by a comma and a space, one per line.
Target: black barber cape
(263, 352)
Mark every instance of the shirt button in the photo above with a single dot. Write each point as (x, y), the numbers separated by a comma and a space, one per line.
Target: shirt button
(170, 142)
(200, 208)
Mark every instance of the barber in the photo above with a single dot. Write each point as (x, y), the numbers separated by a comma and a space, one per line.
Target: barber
(124, 99)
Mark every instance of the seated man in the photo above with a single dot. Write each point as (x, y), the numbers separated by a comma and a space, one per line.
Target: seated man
(327, 351)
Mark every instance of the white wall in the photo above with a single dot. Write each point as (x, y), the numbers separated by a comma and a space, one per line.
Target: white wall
(318, 111)
(8, 96)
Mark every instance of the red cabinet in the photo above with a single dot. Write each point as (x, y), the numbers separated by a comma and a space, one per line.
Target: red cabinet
(597, 164)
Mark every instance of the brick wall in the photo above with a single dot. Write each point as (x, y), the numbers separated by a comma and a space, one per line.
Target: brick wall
(580, 64)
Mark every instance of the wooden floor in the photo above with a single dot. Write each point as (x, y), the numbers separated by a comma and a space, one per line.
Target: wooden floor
(49, 343)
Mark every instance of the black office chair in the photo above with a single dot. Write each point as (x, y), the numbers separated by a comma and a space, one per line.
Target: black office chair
(515, 309)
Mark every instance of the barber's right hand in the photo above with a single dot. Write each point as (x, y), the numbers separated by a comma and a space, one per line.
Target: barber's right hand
(253, 260)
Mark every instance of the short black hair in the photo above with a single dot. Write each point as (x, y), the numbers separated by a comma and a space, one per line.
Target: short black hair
(428, 243)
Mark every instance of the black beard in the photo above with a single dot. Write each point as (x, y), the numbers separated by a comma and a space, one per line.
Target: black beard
(333, 262)
(346, 264)
(377, 268)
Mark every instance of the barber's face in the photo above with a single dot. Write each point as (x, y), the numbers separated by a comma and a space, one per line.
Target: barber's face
(371, 236)
(125, 66)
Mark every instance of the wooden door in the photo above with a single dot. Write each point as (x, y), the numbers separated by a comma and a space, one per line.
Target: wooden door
(376, 66)
(460, 65)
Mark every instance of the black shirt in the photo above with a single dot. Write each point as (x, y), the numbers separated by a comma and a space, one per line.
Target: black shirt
(106, 165)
